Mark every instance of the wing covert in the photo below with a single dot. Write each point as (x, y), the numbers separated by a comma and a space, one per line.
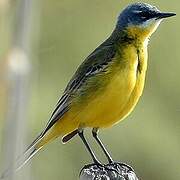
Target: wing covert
(95, 63)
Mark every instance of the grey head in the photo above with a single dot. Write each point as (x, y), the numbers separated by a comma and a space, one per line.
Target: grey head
(139, 13)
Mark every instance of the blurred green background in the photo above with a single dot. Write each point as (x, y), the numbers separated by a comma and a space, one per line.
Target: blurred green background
(65, 32)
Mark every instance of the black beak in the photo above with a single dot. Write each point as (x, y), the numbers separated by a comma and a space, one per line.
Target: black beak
(162, 15)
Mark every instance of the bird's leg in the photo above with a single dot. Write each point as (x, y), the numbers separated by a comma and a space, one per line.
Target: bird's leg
(95, 135)
(81, 135)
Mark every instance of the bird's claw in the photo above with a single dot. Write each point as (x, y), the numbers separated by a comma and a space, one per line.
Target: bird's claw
(123, 165)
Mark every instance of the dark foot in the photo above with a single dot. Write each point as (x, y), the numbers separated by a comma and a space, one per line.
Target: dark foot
(98, 163)
(118, 167)
(96, 166)
(128, 167)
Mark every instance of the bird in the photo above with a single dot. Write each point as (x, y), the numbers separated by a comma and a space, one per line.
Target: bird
(106, 86)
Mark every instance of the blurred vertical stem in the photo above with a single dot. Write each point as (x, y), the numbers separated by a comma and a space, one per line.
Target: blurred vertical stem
(17, 73)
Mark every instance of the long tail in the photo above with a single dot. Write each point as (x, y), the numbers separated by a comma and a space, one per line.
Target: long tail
(45, 137)
(25, 157)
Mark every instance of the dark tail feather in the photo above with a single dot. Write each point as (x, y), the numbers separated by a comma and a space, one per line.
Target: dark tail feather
(24, 158)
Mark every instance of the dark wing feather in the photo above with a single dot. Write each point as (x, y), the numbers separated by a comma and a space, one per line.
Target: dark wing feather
(95, 63)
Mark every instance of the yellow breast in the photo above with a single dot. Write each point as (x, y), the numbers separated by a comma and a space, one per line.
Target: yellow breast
(114, 102)
(122, 93)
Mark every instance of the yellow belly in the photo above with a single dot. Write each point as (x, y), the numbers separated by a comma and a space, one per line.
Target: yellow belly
(115, 103)
(120, 96)
(111, 105)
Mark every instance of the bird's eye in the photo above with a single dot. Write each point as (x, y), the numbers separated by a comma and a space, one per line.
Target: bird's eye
(145, 15)
(142, 14)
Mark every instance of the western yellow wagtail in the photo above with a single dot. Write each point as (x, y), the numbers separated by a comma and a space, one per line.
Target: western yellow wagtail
(107, 85)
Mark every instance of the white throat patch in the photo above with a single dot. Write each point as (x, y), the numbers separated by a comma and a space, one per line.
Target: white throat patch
(152, 24)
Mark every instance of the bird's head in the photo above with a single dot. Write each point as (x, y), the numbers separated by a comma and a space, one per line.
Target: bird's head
(141, 19)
